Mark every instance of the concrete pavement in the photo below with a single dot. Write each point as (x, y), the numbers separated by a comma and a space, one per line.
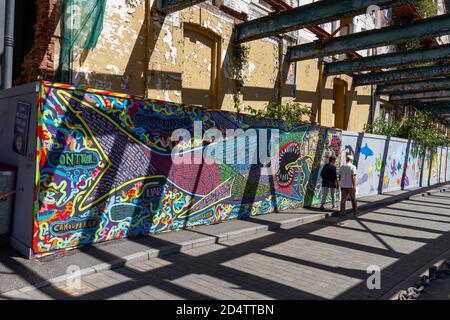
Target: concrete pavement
(274, 256)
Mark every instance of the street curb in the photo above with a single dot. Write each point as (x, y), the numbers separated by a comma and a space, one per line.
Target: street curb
(207, 240)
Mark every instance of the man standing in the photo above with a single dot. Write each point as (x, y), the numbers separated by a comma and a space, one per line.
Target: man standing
(329, 181)
(347, 176)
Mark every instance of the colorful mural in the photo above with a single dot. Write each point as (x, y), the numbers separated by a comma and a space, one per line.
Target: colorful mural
(327, 144)
(426, 168)
(446, 163)
(106, 168)
(447, 173)
(395, 165)
(369, 156)
(402, 168)
(442, 163)
(414, 166)
(435, 163)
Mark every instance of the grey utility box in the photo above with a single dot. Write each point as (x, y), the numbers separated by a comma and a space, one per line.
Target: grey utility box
(7, 184)
(18, 147)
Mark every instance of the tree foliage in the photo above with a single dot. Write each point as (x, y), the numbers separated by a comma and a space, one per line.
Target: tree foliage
(420, 128)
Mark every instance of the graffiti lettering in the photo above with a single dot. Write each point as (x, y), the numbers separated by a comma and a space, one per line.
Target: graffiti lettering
(60, 228)
(69, 159)
(165, 125)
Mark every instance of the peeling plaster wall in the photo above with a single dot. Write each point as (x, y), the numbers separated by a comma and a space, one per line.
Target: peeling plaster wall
(117, 62)
(147, 54)
(174, 70)
(358, 100)
(260, 77)
(358, 105)
(165, 80)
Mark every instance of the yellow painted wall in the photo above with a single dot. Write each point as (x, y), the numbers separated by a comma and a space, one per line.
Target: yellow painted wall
(146, 54)
(308, 92)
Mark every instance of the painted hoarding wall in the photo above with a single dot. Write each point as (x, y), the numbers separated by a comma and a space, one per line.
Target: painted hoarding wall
(414, 166)
(442, 164)
(368, 151)
(426, 168)
(395, 162)
(434, 171)
(105, 169)
(402, 164)
(448, 165)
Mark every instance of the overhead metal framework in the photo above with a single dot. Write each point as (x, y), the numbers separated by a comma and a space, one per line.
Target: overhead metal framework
(424, 28)
(168, 6)
(319, 32)
(409, 74)
(438, 105)
(303, 16)
(440, 109)
(417, 86)
(439, 53)
(428, 102)
(425, 85)
(432, 95)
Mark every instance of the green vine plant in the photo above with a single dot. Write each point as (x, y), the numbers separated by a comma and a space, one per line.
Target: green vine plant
(421, 128)
(295, 112)
(273, 110)
(241, 55)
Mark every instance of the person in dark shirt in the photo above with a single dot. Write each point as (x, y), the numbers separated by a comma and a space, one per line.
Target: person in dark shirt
(329, 182)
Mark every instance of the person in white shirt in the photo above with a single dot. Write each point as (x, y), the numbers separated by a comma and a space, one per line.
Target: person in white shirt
(347, 182)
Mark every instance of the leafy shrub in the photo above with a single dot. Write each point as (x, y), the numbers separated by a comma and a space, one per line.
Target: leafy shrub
(285, 112)
(421, 128)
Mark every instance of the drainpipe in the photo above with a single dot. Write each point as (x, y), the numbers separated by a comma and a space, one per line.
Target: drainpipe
(9, 44)
(2, 34)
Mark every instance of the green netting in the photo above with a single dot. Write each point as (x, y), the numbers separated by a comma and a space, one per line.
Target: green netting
(81, 27)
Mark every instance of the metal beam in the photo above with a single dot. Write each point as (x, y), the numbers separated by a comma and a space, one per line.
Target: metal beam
(432, 95)
(439, 105)
(418, 86)
(168, 6)
(305, 16)
(430, 103)
(409, 74)
(442, 112)
(425, 28)
(396, 59)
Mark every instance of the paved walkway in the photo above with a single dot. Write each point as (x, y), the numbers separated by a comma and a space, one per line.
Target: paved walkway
(276, 256)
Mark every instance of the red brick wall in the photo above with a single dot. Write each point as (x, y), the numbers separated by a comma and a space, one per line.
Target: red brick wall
(39, 63)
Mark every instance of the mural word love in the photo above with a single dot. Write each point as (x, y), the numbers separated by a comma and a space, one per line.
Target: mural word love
(235, 146)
